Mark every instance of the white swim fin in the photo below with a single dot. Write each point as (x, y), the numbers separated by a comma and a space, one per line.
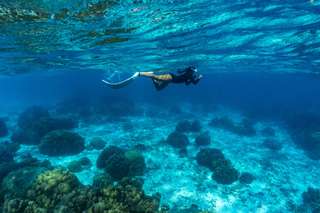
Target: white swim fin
(120, 84)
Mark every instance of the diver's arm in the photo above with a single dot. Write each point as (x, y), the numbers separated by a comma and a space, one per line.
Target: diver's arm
(196, 80)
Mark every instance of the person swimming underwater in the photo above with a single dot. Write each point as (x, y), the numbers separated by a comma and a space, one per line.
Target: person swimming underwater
(187, 76)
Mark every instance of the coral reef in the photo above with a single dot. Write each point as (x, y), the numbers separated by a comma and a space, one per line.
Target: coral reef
(15, 177)
(3, 128)
(120, 163)
(223, 171)
(60, 191)
(188, 126)
(165, 165)
(106, 154)
(128, 196)
(17, 182)
(178, 140)
(52, 185)
(36, 122)
(311, 199)
(7, 151)
(96, 143)
(203, 139)
(6, 168)
(244, 128)
(207, 156)
(61, 143)
(102, 181)
(136, 161)
(52, 191)
(305, 128)
(79, 165)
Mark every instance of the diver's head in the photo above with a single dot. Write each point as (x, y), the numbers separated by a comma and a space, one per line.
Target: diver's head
(192, 69)
(193, 73)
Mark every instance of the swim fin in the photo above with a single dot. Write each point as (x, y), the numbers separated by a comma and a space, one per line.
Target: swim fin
(120, 84)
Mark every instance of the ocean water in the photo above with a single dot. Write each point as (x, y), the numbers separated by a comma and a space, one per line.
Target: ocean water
(246, 138)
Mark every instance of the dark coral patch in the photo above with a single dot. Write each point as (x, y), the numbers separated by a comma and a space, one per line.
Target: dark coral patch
(60, 191)
(120, 163)
(203, 139)
(225, 174)
(178, 140)
(311, 199)
(206, 157)
(36, 122)
(222, 168)
(61, 143)
(7, 151)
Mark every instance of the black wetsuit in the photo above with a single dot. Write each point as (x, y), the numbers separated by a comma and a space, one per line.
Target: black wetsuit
(186, 76)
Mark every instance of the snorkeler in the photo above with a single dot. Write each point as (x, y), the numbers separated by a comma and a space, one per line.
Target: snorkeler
(186, 76)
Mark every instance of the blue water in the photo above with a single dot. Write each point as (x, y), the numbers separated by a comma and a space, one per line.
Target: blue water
(214, 35)
(260, 61)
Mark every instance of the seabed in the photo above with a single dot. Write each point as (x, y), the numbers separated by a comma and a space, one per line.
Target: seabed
(280, 176)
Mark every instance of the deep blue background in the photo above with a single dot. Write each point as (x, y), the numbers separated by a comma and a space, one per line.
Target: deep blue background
(263, 94)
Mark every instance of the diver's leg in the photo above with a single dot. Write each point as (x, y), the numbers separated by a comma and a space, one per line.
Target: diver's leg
(159, 81)
(159, 85)
(147, 74)
(164, 77)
